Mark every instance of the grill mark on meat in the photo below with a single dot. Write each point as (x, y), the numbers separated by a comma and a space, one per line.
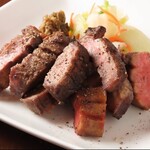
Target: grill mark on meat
(68, 72)
(90, 110)
(107, 60)
(39, 101)
(138, 67)
(119, 101)
(16, 50)
(32, 70)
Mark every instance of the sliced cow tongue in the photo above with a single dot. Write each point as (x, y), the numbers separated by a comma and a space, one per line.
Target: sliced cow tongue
(68, 72)
(105, 57)
(14, 51)
(32, 70)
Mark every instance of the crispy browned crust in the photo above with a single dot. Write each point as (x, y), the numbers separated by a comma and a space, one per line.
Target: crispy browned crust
(68, 72)
(119, 67)
(14, 51)
(32, 70)
(119, 101)
(90, 110)
(106, 58)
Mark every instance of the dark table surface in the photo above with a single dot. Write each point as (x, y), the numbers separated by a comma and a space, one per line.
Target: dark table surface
(12, 138)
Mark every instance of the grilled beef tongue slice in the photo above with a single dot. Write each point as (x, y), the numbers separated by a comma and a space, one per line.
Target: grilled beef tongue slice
(68, 72)
(119, 101)
(138, 67)
(105, 57)
(32, 70)
(14, 51)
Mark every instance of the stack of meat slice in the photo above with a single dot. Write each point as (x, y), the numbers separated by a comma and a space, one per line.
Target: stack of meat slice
(32, 70)
(16, 50)
(64, 78)
(111, 69)
(30, 73)
(90, 71)
(90, 102)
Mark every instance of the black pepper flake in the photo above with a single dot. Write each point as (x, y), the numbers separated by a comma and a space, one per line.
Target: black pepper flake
(121, 143)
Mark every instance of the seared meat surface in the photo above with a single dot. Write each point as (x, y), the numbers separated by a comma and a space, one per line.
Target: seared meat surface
(105, 57)
(55, 43)
(68, 72)
(32, 70)
(138, 64)
(90, 111)
(119, 101)
(16, 50)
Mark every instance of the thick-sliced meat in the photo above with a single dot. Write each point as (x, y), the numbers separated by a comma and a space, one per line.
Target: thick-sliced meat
(32, 70)
(55, 42)
(106, 58)
(16, 50)
(119, 101)
(39, 101)
(68, 72)
(138, 64)
(90, 111)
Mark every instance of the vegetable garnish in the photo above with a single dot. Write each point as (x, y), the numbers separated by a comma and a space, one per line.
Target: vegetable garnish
(112, 18)
(71, 25)
(101, 15)
(118, 39)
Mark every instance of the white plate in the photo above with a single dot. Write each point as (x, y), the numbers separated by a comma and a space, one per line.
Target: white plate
(132, 131)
